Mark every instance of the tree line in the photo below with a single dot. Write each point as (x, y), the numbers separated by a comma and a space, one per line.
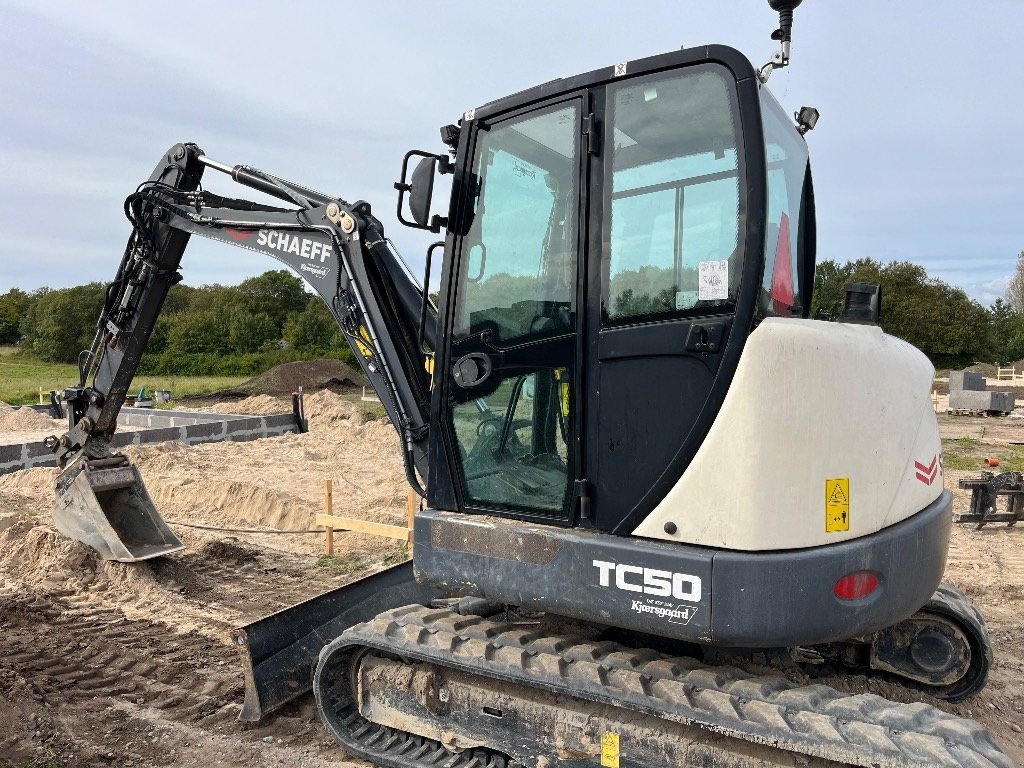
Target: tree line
(951, 328)
(207, 330)
(269, 319)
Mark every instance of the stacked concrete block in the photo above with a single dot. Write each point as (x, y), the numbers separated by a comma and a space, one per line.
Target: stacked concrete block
(967, 392)
(970, 381)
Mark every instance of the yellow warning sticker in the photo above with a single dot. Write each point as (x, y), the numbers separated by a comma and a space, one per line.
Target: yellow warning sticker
(365, 349)
(837, 504)
(609, 750)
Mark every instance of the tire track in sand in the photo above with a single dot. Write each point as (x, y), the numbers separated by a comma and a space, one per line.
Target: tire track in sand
(94, 651)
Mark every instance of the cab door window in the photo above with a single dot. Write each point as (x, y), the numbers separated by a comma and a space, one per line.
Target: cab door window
(515, 309)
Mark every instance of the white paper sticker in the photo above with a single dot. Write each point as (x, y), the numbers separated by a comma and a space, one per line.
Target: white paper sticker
(686, 299)
(713, 280)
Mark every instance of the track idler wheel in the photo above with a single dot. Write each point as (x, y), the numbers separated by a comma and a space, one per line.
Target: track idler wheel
(944, 647)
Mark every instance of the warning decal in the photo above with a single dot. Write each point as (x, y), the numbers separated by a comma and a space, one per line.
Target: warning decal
(609, 750)
(837, 504)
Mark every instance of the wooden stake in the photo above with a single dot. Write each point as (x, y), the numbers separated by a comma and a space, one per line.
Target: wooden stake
(329, 511)
(412, 503)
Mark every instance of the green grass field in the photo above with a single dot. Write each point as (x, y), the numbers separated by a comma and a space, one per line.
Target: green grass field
(21, 377)
(967, 453)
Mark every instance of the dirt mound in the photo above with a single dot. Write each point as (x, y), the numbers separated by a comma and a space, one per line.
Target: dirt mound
(12, 419)
(232, 503)
(256, 405)
(228, 551)
(308, 374)
(327, 411)
(40, 555)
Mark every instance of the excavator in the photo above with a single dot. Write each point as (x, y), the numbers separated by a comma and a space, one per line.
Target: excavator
(659, 500)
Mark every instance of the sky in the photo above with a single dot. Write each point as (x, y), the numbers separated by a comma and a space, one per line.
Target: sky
(918, 155)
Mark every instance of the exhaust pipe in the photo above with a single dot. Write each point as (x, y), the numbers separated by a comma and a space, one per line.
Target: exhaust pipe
(103, 503)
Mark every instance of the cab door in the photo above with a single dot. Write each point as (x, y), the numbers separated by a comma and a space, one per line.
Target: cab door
(513, 346)
(664, 285)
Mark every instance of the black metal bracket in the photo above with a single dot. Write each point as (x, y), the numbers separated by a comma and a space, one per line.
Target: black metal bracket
(985, 490)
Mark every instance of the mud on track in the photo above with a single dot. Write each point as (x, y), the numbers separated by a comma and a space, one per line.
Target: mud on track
(106, 664)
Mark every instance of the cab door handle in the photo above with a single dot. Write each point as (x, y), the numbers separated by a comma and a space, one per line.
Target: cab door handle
(705, 338)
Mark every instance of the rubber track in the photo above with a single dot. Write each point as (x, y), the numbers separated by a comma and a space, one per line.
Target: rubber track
(862, 729)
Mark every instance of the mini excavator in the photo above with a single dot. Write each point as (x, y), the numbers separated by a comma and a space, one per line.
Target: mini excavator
(648, 476)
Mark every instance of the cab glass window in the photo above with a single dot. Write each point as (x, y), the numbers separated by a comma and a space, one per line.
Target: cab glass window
(518, 274)
(675, 216)
(786, 160)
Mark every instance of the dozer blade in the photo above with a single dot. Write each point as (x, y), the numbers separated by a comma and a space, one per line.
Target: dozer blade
(280, 652)
(103, 503)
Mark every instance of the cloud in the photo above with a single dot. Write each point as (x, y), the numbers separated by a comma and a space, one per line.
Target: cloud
(985, 292)
(909, 162)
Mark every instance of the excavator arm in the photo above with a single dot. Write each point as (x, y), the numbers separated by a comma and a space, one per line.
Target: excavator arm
(337, 247)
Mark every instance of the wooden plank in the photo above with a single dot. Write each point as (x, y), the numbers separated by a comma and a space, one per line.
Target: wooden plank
(329, 512)
(363, 526)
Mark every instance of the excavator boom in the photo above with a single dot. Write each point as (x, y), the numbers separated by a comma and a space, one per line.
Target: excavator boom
(340, 250)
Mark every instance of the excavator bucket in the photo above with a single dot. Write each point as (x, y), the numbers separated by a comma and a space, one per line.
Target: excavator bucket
(103, 503)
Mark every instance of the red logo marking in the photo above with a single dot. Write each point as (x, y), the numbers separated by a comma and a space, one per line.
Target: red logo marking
(237, 234)
(927, 473)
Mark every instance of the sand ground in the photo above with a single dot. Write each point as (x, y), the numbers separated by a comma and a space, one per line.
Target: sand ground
(106, 664)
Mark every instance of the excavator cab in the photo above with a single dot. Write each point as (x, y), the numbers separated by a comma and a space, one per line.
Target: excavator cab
(613, 239)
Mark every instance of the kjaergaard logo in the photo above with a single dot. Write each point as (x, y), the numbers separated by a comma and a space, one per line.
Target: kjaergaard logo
(927, 473)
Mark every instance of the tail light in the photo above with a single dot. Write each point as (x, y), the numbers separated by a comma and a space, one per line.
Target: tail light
(854, 586)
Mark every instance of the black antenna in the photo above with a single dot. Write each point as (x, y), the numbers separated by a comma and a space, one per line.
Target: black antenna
(784, 34)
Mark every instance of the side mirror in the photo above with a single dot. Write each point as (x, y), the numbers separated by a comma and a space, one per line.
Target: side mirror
(420, 189)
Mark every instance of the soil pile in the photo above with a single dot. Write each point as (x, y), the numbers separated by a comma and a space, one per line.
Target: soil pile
(308, 374)
(24, 419)
(255, 405)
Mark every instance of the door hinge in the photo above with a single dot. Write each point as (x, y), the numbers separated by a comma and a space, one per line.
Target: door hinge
(581, 491)
(592, 130)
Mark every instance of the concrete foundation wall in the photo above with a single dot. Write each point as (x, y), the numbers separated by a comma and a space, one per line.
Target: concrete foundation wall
(182, 426)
